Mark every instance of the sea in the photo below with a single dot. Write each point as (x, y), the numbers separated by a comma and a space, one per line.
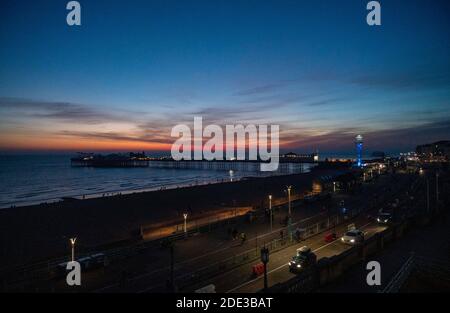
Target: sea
(32, 179)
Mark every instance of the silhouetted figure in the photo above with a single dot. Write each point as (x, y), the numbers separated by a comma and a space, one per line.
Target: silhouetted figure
(243, 238)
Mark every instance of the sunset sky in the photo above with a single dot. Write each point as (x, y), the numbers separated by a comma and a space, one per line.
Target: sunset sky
(134, 69)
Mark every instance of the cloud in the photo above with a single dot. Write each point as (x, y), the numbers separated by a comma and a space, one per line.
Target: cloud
(62, 111)
(396, 140)
(323, 102)
(406, 79)
(114, 136)
(259, 90)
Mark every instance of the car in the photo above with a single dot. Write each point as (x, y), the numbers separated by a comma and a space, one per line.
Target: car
(353, 237)
(384, 218)
(304, 259)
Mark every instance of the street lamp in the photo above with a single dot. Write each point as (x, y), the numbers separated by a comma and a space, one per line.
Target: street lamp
(289, 212)
(270, 209)
(334, 186)
(72, 243)
(185, 223)
(265, 260)
(289, 199)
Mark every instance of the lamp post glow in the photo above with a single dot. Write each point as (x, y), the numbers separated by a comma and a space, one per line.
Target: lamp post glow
(185, 223)
(334, 186)
(270, 209)
(289, 199)
(72, 243)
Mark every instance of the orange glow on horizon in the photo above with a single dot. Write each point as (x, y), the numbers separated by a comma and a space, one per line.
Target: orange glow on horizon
(17, 142)
(76, 144)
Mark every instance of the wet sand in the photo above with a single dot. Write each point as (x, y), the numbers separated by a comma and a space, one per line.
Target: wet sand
(33, 233)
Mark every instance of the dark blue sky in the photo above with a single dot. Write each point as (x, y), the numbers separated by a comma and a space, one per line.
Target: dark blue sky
(134, 69)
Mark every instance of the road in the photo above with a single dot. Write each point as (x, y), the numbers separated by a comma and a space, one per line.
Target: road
(278, 270)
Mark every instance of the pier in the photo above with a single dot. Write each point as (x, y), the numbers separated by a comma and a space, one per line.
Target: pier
(244, 166)
(111, 160)
(288, 163)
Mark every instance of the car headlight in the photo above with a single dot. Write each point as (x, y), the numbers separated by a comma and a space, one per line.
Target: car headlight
(352, 240)
(298, 266)
(385, 221)
(342, 238)
(378, 219)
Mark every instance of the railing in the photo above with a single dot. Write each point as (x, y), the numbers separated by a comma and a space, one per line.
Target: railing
(399, 279)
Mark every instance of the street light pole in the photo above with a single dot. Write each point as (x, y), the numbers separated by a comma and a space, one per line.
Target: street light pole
(72, 243)
(185, 223)
(334, 186)
(271, 216)
(289, 199)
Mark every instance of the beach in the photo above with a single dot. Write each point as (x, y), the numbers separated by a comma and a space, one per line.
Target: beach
(33, 233)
